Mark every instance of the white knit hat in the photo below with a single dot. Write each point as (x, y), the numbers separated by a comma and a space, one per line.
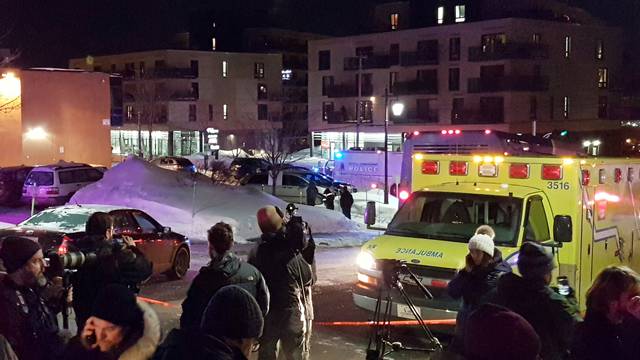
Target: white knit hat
(483, 243)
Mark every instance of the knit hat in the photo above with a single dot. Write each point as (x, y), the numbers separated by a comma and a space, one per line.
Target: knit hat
(269, 219)
(497, 333)
(483, 243)
(16, 251)
(233, 313)
(117, 305)
(534, 262)
(487, 230)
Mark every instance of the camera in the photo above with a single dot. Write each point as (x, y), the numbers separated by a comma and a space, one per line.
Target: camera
(297, 231)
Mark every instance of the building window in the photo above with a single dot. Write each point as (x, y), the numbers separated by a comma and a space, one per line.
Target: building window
(394, 21)
(258, 70)
(195, 90)
(536, 38)
(454, 79)
(163, 114)
(393, 78)
(440, 15)
(493, 42)
(225, 68)
(603, 107)
(603, 78)
(324, 60)
(327, 82)
(192, 112)
(262, 92)
(533, 107)
(327, 110)
(213, 43)
(457, 110)
(195, 68)
(142, 68)
(113, 68)
(454, 49)
(129, 112)
(286, 74)
(394, 54)
(210, 112)
(567, 47)
(600, 50)
(263, 112)
(364, 51)
(552, 107)
(225, 112)
(158, 64)
(366, 110)
(566, 107)
(460, 13)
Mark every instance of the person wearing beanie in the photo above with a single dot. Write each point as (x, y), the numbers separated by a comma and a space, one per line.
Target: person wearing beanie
(475, 284)
(26, 320)
(225, 268)
(552, 315)
(119, 327)
(494, 332)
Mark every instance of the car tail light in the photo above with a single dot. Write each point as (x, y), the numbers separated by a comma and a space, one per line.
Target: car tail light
(551, 172)
(586, 177)
(459, 168)
(64, 246)
(442, 284)
(618, 175)
(430, 167)
(519, 171)
(52, 191)
(404, 195)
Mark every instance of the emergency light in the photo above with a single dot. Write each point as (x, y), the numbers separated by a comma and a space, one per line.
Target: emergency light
(430, 167)
(519, 171)
(586, 177)
(458, 168)
(551, 172)
(617, 175)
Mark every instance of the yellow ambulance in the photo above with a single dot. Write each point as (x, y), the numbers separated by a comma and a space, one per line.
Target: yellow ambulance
(586, 209)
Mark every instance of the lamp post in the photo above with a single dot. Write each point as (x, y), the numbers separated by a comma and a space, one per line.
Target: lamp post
(397, 108)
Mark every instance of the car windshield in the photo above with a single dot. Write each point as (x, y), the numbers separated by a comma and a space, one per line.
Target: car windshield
(69, 220)
(40, 178)
(318, 180)
(455, 217)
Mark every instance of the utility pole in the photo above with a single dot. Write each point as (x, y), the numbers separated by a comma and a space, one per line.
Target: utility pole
(359, 84)
(139, 136)
(386, 145)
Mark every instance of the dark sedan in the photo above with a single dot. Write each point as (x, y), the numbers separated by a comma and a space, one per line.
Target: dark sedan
(58, 228)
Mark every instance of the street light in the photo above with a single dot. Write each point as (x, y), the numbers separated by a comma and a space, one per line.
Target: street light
(397, 108)
(36, 133)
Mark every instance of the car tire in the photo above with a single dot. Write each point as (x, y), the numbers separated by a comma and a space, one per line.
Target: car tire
(180, 265)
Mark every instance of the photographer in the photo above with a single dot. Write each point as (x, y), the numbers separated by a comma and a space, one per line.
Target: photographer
(285, 257)
(115, 263)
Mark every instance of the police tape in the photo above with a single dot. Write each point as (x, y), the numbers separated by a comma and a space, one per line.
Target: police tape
(445, 322)
(156, 302)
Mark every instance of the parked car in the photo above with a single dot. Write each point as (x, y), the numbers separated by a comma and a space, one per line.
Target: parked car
(175, 163)
(58, 229)
(248, 166)
(289, 187)
(323, 180)
(55, 184)
(11, 181)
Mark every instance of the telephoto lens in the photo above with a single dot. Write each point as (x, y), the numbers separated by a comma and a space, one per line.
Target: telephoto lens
(77, 259)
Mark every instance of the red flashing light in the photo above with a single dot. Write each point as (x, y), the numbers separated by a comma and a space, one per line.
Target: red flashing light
(618, 175)
(487, 132)
(404, 195)
(458, 168)
(519, 171)
(450, 132)
(457, 131)
(586, 177)
(430, 167)
(443, 132)
(416, 133)
(64, 246)
(551, 172)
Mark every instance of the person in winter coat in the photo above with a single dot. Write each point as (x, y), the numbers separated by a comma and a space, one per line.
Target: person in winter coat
(289, 275)
(329, 199)
(312, 193)
(552, 315)
(119, 327)
(346, 202)
(476, 283)
(224, 269)
(231, 325)
(26, 321)
(611, 327)
(6, 351)
(115, 264)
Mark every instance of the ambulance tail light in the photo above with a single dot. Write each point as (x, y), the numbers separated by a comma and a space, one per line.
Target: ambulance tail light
(403, 195)
(551, 172)
(519, 171)
(618, 175)
(430, 167)
(586, 177)
(458, 168)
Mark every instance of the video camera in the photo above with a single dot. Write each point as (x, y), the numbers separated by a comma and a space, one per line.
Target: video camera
(297, 231)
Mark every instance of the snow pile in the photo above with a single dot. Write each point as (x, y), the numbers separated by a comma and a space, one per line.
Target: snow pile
(169, 196)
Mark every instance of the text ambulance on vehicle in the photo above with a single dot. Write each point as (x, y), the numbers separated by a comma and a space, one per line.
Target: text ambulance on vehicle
(584, 208)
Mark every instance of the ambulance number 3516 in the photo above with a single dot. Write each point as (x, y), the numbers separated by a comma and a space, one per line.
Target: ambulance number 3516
(557, 185)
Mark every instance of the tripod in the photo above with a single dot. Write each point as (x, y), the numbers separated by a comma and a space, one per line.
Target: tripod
(380, 337)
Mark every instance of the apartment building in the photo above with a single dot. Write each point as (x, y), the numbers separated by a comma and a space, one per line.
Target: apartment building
(179, 96)
(511, 74)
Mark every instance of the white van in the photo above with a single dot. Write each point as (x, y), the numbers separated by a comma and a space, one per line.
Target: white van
(55, 184)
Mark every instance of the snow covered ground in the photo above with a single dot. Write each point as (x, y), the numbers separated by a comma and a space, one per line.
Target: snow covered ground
(191, 208)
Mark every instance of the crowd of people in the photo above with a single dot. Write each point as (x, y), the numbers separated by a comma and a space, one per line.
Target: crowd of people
(235, 308)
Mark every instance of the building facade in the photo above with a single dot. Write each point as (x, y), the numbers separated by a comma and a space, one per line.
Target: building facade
(509, 74)
(176, 95)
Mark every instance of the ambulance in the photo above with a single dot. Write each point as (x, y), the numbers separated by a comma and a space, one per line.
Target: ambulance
(585, 209)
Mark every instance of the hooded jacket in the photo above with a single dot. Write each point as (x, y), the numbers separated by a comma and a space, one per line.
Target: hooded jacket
(552, 315)
(597, 338)
(185, 344)
(226, 270)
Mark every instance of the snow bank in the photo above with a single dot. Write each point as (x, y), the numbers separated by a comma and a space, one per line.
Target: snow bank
(169, 197)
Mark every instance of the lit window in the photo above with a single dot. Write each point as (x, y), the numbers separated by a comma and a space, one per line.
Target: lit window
(213, 44)
(460, 10)
(565, 107)
(603, 78)
(600, 50)
(536, 38)
(286, 74)
(440, 14)
(567, 46)
(394, 21)
(225, 68)
(258, 71)
(225, 112)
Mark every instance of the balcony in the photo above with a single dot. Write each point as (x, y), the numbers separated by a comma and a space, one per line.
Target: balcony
(349, 90)
(413, 58)
(183, 96)
(512, 50)
(415, 117)
(477, 116)
(508, 83)
(173, 73)
(415, 87)
(376, 61)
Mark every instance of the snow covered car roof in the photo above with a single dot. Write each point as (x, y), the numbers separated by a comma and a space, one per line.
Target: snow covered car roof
(67, 218)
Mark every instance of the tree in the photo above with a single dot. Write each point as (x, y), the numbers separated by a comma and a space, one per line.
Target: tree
(149, 96)
(276, 151)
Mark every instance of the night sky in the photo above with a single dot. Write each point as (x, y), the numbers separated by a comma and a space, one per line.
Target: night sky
(48, 33)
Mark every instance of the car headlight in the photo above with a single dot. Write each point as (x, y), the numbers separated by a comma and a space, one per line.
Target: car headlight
(366, 261)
